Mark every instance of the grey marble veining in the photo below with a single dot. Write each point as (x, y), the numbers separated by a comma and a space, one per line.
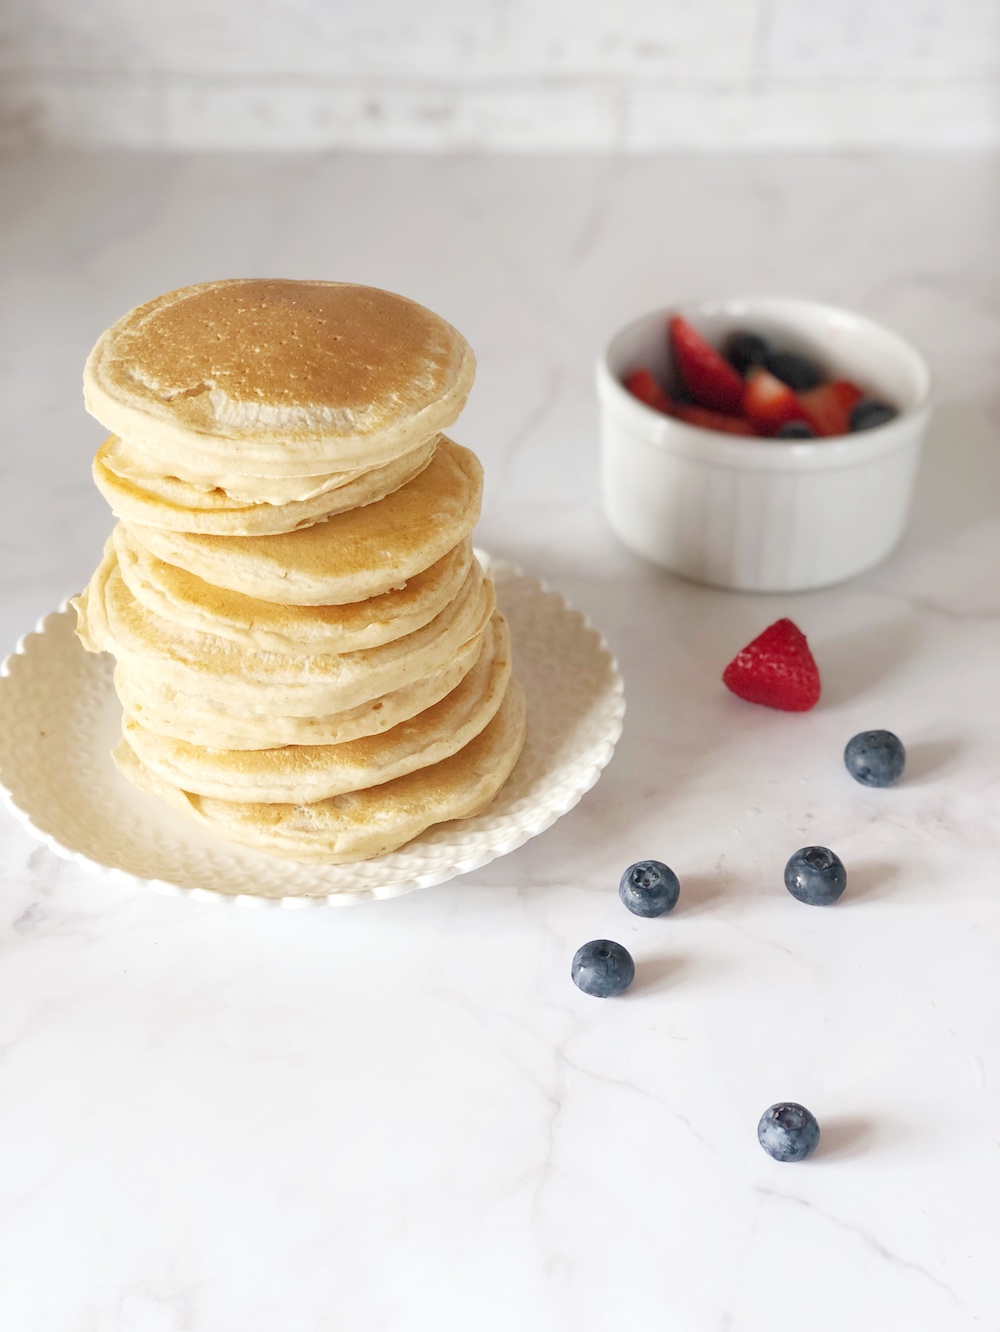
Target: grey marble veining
(402, 1117)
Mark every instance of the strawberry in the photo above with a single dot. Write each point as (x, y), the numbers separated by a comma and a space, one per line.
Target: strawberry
(776, 670)
(642, 385)
(828, 407)
(768, 403)
(701, 416)
(707, 376)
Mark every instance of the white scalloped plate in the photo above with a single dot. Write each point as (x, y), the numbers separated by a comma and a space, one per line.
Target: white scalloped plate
(60, 718)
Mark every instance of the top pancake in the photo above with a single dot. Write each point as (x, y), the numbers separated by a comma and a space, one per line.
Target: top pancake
(259, 375)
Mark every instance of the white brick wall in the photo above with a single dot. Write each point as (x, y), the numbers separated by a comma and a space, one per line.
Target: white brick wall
(508, 74)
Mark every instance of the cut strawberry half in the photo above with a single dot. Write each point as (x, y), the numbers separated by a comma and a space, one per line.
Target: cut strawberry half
(828, 408)
(701, 416)
(643, 385)
(776, 670)
(769, 404)
(707, 375)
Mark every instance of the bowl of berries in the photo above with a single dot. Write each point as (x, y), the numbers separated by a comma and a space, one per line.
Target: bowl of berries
(764, 445)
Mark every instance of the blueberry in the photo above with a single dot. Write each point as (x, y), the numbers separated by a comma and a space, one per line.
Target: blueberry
(798, 372)
(602, 968)
(868, 414)
(795, 430)
(649, 888)
(816, 876)
(788, 1132)
(745, 350)
(875, 758)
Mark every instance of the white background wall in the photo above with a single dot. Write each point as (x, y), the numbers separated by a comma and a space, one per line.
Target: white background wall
(510, 74)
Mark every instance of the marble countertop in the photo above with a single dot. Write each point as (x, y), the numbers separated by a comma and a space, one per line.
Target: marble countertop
(402, 1116)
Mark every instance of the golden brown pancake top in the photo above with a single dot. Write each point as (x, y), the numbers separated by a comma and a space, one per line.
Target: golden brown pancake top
(284, 343)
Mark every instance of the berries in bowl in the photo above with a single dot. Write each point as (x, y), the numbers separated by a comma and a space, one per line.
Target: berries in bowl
(752, 386)
(763, 445)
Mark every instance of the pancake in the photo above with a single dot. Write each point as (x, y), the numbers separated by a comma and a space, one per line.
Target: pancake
(269, 682)
(202, 721)
(191, 603)
(349, 557)
(243, 488)
(303, 773)
(259, 375)
(176, 505)
(366, 823)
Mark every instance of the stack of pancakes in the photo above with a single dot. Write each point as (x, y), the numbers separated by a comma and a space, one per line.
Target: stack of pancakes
(309, 657)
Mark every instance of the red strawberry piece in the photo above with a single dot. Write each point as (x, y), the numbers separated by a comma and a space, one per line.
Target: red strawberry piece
(705, 373)
(643, 385)
(828, 407)
(701, 416)
(768, 403)
(776, 670)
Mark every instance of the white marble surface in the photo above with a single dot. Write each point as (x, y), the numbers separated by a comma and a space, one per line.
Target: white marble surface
(403, 1117)
(519, 75)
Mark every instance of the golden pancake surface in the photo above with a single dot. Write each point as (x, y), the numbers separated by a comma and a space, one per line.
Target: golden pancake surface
(191, 603)
(302, 773)
(364, 823)
(199, 720)
(176, 505)
(264, 682)
(349, 557)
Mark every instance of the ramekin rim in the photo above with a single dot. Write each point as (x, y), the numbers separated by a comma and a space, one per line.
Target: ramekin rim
(769, 450)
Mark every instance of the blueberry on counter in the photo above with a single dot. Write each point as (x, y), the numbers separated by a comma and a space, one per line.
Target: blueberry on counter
(800, 373)
(795, 430)
(868, 414)
(875, 758)
(745, 350)
(602, 968)
(649, 888)
(815, 875)
(788, 1131)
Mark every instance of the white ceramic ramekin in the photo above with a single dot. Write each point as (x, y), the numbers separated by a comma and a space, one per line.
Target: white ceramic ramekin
(763, 515)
